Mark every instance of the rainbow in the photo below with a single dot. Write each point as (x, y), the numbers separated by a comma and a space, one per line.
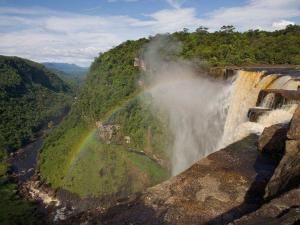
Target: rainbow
(89, 135)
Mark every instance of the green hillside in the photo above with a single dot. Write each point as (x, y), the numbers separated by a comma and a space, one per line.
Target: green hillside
(74, 157)
(30, 95)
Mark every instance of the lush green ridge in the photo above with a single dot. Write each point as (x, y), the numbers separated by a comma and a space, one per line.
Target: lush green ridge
(227, 47)
(29, 96)
(111, 95)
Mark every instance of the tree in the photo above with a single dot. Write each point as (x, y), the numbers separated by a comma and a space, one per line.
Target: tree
(202, 29)
(227, 29)
(185, 30)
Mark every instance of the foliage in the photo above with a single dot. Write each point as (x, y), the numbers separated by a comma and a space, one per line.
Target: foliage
(30, 95)
(227, 47)
(13, 210)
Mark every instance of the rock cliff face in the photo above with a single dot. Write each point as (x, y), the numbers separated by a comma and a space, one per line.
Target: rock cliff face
(272, 140)
(287, 174)
(282, 210)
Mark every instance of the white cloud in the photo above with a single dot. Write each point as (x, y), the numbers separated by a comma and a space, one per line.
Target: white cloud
(171, 20)
(256, 14)
(47, 35)
(175, 3)
(282, 24)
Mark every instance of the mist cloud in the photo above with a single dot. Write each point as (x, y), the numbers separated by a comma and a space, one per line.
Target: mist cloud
(195, 106)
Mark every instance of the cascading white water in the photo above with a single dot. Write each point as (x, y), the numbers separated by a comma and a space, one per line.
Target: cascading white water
(268, 101)
(282, 115)
(246, 90)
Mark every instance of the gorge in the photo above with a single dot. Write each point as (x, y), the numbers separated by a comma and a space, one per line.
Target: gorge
(184, 128)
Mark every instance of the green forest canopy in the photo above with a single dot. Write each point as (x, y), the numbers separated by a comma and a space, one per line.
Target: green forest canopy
(30, 95)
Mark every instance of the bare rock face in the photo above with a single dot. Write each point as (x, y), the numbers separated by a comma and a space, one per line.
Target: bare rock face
(294, 130)
(272, 140)
(287, 174)
(108, 133)
(282, 210)
(216, 190)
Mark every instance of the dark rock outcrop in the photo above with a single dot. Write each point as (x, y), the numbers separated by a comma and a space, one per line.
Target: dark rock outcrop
(256, 112)
(282, 210)
(272, 140)
(287, 174)
(294, 130)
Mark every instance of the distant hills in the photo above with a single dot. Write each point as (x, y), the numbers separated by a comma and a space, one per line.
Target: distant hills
(71, 69)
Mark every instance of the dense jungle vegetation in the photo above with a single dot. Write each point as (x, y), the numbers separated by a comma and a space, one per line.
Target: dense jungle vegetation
(30, 95)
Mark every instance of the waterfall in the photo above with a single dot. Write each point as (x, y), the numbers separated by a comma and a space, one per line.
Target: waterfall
(245, 92)
(244, 96)
(268, 101)
(204, 115)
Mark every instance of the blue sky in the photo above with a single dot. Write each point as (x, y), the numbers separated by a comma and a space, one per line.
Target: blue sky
(75, 31)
